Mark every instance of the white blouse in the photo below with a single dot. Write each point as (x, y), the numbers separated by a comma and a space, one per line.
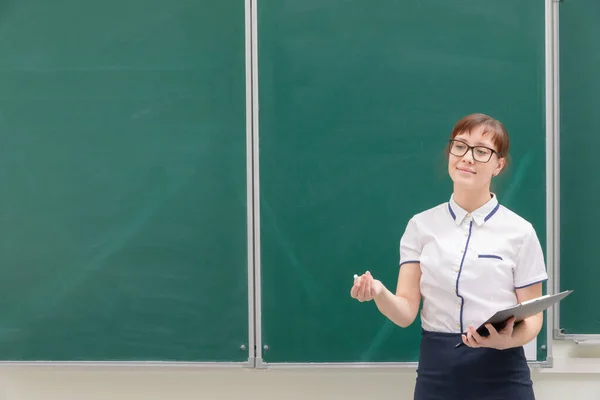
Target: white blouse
(471, 264)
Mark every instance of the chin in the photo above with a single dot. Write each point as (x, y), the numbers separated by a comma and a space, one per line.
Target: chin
(464, 182)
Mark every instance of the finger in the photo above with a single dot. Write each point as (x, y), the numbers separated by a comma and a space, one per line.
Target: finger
(371, 285)
(354, 291)
(368, 287)
(468, 340)
(491, 329)
(464, 339)
(361, 288)
(356, 287)
(510, 326)
(476, 336)
(472, 341)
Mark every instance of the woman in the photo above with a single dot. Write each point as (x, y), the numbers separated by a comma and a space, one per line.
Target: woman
(466, 259)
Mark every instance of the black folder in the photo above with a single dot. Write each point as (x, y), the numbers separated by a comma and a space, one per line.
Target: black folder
(520, 312)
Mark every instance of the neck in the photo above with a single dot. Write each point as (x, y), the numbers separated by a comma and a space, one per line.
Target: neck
(471, 200)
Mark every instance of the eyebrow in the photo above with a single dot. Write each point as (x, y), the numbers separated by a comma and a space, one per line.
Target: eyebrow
(479, 143)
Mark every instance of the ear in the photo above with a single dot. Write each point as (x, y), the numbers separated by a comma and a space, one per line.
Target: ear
(501, 163)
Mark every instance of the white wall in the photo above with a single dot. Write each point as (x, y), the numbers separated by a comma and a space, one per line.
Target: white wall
(575, 378)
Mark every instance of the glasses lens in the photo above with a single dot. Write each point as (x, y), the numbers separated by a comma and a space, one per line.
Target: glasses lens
(482, 154)
(458, 148)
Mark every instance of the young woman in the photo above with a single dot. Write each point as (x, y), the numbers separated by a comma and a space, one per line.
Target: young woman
(466, 259)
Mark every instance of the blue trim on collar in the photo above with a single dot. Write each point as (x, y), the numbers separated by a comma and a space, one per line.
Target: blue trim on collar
(492, 212)
(480, 216)
(451, 212)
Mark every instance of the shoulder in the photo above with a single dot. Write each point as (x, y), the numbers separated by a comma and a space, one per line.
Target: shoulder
(421, 224)
(430, 215)
(520, 228)
(517, 222)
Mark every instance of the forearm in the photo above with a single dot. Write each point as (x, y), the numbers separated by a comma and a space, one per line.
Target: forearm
(396, 308)
(527, 330)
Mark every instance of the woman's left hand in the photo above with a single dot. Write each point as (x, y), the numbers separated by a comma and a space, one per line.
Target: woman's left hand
(496, 340)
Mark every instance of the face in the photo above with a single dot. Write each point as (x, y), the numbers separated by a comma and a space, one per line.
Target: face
(466, 171)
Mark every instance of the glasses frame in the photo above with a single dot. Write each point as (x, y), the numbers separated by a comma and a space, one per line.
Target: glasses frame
(472, 148)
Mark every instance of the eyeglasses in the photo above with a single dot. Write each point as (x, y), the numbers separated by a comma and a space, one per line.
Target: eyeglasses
(481, 154)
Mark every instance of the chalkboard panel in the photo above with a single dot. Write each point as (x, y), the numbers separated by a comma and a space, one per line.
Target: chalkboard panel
(356, 105)
(579, 164)
(123, 181)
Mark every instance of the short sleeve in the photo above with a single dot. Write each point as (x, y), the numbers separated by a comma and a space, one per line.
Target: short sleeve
(530, 268)
(410, 249)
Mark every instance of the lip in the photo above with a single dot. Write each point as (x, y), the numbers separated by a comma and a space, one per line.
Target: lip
(465, 170)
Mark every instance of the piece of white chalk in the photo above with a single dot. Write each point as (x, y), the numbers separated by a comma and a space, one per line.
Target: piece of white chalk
(355, 276)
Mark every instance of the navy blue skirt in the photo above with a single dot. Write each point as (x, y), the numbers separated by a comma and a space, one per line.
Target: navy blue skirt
(464, 373)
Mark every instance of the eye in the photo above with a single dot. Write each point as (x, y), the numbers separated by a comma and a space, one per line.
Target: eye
(482, 151)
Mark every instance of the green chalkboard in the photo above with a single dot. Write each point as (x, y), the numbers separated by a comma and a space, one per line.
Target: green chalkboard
(579, 164)
(123, 181)
(357, 101)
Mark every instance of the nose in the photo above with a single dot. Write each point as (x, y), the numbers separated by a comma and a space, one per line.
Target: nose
(468, 157)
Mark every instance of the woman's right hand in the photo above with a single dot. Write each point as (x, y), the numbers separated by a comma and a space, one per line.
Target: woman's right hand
(365, 287)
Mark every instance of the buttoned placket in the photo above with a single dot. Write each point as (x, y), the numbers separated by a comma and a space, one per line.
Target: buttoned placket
(467, 229)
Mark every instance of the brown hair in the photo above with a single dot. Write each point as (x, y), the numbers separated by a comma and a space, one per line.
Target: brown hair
(490, 126)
